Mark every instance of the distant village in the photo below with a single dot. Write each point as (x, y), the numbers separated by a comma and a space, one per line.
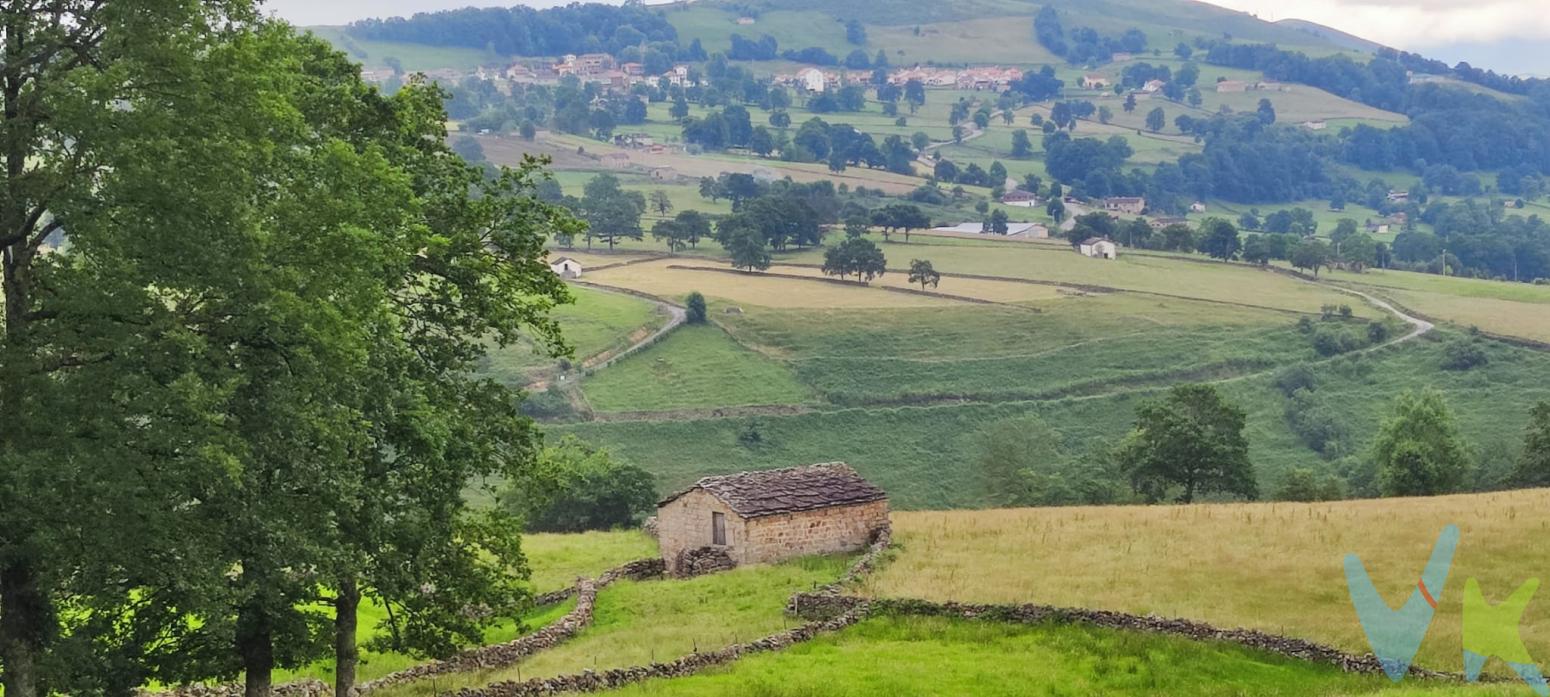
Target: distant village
(604, 70)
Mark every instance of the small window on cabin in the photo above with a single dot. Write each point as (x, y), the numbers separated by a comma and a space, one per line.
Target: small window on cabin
(718, 529)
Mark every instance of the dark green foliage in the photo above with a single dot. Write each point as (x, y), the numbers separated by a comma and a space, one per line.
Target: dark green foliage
(1418, 451)
(1187, 443)
(1298, 377)
(922, 272)
(1311, 418)
(1020, 461)
(578, 487)
(855, 256)
(694, 306)
(1302, 484)
(1534, 463)
(1333, 339)
(1464, 354)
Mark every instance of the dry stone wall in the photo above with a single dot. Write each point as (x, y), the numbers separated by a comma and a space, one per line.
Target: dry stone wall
(501, 655)
(701, 561)
(300, 688)
(591, 681)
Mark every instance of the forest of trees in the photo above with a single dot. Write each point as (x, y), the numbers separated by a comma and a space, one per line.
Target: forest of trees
(1081, 45)
(524, 31)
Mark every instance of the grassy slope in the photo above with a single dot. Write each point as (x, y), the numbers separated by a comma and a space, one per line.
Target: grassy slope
(923, 456)
(1276, 567)
(920, 656)
(638, 622)
(696, 366)
(555, 561)
(598, 321)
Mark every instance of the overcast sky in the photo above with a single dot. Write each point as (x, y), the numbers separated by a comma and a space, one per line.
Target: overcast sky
(1492, 33)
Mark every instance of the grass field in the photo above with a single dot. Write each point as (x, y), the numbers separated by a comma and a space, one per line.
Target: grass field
(657, 278)
(1275, 567)
(883, 657)
(924, 455)
(695, 366)
(1509, 309)
(1152, 274)
(597, 322)
(638, 622)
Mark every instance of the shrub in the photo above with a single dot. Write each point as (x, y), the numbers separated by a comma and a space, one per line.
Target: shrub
(1464, 354)
(695, 304)
(1316, 424)
(579, 487)
(749, 435)
(1301, 484)
(1377, 333)
(1297, 377)
(1331, 340)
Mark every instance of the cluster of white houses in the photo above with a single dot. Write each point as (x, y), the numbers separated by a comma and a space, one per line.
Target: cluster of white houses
(980, 78)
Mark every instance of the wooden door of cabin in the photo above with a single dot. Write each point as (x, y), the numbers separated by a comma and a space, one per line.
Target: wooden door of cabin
(718, 528)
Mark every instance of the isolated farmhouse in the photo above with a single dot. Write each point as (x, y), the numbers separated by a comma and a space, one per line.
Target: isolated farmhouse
(566, 267)
(1099, 248)
(763, 517)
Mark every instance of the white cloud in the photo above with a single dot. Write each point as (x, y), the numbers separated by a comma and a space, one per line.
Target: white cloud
(1412, 24)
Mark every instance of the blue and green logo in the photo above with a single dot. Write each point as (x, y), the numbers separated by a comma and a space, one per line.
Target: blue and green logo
(1395, 635)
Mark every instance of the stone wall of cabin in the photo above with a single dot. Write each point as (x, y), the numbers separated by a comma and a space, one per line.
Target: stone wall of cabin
(823, 531)
(684, 524)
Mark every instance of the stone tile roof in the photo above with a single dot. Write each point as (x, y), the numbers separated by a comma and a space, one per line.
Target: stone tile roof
(790, 490)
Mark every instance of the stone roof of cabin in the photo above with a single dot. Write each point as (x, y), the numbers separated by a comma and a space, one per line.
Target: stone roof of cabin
(790, 490)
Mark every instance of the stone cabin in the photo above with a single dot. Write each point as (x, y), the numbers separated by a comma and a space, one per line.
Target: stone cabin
(566, 267)
(768, 516)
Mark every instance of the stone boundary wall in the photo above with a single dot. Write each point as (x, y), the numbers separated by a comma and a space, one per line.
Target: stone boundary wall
(590, 681)
(501, 655)
(299, 688)
(1289, 647)
(593, 681)
(493, 656)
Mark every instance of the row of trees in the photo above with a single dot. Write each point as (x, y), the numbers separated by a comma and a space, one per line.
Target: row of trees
(1190, 443)
(244, 297)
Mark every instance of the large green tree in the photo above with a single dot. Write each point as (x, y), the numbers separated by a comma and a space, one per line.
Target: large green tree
(1418, 451)
(246, 364)
(1189, 442)
(1534, 463)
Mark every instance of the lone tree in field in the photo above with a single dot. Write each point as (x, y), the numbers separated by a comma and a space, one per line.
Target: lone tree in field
(695, 308)
(1156, 119)
(1419, 452)
(1190, 442)
(747, 247)
(922, 273)
(661, 202)
(855, 256)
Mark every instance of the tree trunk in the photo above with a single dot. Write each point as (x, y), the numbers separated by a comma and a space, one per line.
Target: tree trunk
(346, 653)
(255, 644)
(22, 610)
